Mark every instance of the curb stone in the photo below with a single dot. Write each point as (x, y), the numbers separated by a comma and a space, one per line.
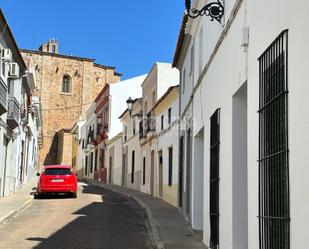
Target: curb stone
(152, 224)
(16, 210)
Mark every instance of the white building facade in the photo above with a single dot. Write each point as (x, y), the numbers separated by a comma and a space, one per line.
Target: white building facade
(166, 112)
(247, 79)
(88, 130)
(79, 133)
(119, 94)
(131, 149)
(20, 116)
(159, 79)
(114, 160)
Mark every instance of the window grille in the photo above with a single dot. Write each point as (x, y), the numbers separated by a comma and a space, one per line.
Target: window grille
(144, 170)
(214, 179)
(96, 161)
(162, 122)
(86, 166)
(180, 173)
(91, 162)
(169, 115)
(170, 166)
(274, 213)
(133, 166)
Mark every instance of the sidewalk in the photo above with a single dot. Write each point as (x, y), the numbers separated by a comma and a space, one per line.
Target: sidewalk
(169, 229)
(14, 203)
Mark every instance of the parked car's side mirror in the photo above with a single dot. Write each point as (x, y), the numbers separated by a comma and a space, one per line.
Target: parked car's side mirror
(38, 174)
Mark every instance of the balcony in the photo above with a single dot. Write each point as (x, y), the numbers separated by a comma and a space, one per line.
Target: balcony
(90, 136)
(141, 130)
(3, 97)
(13, 113)
(89, 140)
(151, 123)
(102, 133)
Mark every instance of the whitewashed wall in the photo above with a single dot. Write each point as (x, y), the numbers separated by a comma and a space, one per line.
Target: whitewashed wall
(80, 162)
(114, 152)
(131, 143)
(119, 93)
(223, 78)
(278, 16)
(223, 87)
(168, 138)
(91, 121)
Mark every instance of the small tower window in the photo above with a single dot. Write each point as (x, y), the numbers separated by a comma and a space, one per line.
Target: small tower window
(66, 84)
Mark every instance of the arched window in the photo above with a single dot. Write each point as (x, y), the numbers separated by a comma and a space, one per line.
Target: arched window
(66, 84)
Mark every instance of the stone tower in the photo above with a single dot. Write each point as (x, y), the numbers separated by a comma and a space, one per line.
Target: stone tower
(51, 46)
(67, 85)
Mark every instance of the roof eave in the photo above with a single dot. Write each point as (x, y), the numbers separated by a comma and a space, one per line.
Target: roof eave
(180, 40)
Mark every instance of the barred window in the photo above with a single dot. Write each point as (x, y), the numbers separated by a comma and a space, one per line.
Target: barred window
(133, 167)
(274, 213)
(170, 166)
(214, 179)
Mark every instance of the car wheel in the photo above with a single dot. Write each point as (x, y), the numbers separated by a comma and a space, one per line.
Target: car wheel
(74, 195)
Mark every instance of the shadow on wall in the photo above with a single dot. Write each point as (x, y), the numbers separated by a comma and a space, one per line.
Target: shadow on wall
(117, 223)
(51, 157)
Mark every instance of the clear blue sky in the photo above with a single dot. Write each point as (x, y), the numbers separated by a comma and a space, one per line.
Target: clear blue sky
(128, 34)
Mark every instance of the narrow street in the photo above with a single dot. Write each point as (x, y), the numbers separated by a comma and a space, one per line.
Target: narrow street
(96, 219)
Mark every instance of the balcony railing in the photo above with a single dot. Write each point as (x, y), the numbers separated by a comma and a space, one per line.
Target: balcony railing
(90, 137)
(101, 134)
(141, 130)
(102, 129)
(3, 97)
(151, 123)
(13, 113)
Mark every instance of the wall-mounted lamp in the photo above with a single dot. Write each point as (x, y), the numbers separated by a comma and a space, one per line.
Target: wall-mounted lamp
(215, 10)
(130, 103)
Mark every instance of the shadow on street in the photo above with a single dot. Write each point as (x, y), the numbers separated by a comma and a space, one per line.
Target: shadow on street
(114, 223)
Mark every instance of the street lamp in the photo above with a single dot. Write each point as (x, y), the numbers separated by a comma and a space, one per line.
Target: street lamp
(130, 103)
(215, 10)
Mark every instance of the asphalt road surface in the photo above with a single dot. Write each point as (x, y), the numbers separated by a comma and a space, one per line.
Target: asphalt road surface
(97, 219)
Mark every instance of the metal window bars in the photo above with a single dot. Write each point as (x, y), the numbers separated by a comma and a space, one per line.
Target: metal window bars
(274, 211)
(214, 179)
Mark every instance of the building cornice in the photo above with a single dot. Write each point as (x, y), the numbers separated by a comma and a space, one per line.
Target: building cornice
(180, 40)
(30, 51)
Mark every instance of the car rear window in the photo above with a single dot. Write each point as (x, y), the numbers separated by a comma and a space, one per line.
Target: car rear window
(57, 171)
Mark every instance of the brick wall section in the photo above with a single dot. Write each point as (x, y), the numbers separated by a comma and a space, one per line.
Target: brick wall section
(61, 111)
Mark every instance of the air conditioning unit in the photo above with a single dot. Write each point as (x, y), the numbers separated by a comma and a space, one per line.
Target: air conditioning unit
(14, 70)
(6, 54)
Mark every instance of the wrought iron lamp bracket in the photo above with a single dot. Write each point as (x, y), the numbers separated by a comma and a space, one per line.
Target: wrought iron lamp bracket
(139, 115)
(214, 10)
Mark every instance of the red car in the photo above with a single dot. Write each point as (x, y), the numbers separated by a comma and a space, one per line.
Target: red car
(57, 179)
